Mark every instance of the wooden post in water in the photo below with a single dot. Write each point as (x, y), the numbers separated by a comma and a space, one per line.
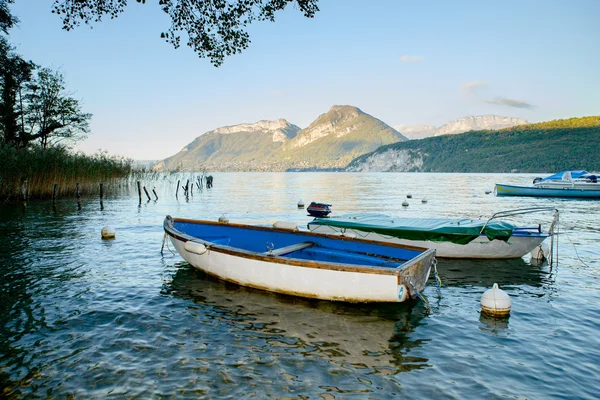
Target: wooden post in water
(139, 185)
(101, 196)
(154, 191)
(78, 194)
(177, 191)
(146, 190)
(187, 188)
(54, 193)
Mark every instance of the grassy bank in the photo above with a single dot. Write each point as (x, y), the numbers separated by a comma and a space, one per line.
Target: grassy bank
(43, 169)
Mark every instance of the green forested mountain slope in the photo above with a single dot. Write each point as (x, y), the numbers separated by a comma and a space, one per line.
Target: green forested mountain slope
(543, 147)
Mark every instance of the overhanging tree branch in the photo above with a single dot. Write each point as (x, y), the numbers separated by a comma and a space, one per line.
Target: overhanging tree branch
(215, 29)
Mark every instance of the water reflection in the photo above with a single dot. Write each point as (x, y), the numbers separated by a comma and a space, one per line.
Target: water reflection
(362, 336)
(484, 273)
(494, 325)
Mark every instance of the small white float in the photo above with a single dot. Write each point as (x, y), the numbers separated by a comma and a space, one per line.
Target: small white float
(108, 232)
(495, 302)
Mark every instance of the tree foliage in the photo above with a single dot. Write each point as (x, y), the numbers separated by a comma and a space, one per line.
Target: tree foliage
(14, 73)
(52, 114)
(7, 20)
(214, 28)
(34, 107)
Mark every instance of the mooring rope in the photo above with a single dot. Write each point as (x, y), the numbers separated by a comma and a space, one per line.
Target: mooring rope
(163, 245)
(575, 248)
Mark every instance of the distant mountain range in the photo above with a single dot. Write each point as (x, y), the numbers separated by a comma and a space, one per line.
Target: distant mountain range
(330, 142)
(460, 125)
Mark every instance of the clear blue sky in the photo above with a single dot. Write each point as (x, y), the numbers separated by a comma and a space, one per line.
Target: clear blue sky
(404, 62)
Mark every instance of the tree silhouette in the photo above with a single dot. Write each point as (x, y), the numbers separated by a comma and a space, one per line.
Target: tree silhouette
(215, 29)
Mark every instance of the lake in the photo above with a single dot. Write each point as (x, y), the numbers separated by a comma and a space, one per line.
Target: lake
(86, 318)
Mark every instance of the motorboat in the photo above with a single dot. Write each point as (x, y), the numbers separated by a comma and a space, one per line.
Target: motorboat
(450, 237)
(578, 184)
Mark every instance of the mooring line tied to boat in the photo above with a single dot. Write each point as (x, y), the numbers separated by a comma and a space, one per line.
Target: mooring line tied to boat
(438, 280)
(553, 231)
(165, 241)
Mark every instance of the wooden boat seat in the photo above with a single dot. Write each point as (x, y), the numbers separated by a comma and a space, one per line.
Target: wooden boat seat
(289, 249)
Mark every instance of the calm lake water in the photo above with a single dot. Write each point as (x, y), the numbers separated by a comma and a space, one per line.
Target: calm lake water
(85, 318)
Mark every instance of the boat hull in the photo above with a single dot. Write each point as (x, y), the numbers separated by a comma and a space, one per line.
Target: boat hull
(319, 280)
(516, 247)
(572, 192)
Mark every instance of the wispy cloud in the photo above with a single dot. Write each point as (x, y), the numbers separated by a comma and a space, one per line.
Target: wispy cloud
(278, 93)
(411, 59)
(471, 87)
(503, 101)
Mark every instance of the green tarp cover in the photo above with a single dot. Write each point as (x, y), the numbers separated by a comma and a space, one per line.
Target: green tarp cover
(460, 231)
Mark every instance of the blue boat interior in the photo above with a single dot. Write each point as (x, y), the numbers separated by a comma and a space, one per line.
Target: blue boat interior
(299, 245)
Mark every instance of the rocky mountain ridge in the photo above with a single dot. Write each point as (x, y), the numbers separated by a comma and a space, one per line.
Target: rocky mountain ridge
(330, 142)
(461, 125)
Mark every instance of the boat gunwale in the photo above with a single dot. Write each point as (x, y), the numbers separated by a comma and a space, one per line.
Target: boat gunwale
(169, 227)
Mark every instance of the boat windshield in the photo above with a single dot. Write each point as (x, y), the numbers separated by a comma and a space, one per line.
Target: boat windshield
(565, 175)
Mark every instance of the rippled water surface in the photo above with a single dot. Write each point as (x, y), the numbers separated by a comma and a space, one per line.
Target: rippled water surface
(85, 318)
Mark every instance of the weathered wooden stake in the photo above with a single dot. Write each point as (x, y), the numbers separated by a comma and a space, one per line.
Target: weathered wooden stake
(54, 192)
(78, 194)
(146, 190)
(154, 191)
(177, 191)
(101, 196)
(139, 185)
(187, 188)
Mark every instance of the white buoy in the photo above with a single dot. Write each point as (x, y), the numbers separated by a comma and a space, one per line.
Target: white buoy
(300, 204)
(488, 191)
(409, 196)
(495, 302)
(108, 232)
(405, 203)
(424, 200)
(223, 219)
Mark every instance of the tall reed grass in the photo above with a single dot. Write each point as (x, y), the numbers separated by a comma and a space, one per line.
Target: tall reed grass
(42, 169)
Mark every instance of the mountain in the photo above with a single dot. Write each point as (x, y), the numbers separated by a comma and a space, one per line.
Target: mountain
(460, 125)
(478, 123)
(543, 147)
(330, 142)
(414, 132)
(235, 147)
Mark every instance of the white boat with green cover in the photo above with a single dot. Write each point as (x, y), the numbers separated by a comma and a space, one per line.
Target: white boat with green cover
(451, 238)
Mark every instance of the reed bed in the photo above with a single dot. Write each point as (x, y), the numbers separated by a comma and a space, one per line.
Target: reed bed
(42, 169)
